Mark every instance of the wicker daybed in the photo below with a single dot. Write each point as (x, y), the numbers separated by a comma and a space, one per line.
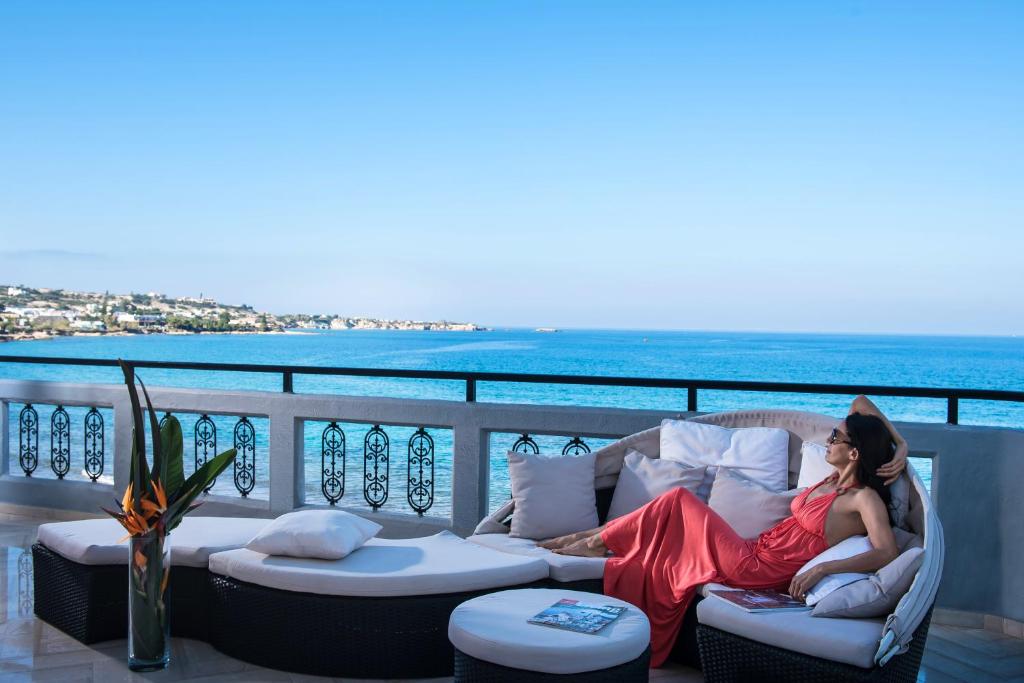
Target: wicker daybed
(381, 612)
(732, 645)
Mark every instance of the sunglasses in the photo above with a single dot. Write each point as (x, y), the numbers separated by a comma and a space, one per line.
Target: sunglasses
(834, 437)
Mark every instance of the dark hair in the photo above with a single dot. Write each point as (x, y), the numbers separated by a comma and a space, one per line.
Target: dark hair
(873, 442)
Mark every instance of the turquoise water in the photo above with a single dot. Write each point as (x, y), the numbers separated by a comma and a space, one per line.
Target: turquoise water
(968, 362)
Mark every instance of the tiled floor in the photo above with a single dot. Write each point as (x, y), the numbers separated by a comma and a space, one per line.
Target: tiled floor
(31, 650)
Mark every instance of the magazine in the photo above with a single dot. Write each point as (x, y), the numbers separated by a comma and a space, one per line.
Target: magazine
(762, 601)
(572, 615)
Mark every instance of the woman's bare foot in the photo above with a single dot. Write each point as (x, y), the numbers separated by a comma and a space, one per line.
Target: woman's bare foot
(591, 546)
(561, 541)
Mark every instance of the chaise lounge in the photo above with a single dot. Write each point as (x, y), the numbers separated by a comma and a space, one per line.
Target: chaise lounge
(730, 644)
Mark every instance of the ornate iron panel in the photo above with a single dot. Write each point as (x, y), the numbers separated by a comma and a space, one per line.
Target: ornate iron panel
(376, 456)
(245, 460)
(94, 444)
(332, 463)
(526, 444)
(421, 479)
(576, 447)
(28, 439)
(205, 439)
(60, 442)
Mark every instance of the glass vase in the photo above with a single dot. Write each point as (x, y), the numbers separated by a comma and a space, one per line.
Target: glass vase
(149, 632)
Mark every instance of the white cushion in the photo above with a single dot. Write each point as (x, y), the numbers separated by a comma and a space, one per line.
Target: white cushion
(643, 479)
(324, 534)
(560, 567)
(850, 641)
(813, 466)
(705, 589)
(845, 549)
(442, 563)
(96, 541)
(554, 495)
(877, 595)
(494, 628)
(758, 453)
(745, 505)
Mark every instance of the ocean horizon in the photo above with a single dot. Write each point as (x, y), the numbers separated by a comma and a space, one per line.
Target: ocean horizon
(976, 362)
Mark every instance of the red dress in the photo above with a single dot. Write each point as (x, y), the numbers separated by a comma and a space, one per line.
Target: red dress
(666, 549)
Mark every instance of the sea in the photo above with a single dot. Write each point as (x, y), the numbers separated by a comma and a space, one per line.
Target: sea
(918, 361)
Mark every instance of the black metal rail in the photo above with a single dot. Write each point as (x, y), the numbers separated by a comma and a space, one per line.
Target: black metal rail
(952, 396)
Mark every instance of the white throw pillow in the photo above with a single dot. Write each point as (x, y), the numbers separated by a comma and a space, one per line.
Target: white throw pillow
(554, 495)
(745, 505)
(813, 466)
(850, 547)
(320, 534)
(643, 479)
(758, 453)
(877, 595)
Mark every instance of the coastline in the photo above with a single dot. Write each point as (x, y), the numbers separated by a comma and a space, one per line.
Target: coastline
(44, 336)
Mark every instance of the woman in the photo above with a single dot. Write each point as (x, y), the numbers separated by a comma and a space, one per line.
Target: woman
(662, 552)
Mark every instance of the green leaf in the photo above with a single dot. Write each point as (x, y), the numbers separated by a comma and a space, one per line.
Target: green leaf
(138, 436)
(173, 448)
(195, 484)
(154, 430)
(139, 472)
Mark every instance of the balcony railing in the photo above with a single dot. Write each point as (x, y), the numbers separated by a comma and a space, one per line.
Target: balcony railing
(440, 463)
(952, 396)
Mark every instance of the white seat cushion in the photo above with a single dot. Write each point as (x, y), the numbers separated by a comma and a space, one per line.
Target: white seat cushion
(850, 641)
(560, 567)
(96, 541)
(493, 628)
(442, 563)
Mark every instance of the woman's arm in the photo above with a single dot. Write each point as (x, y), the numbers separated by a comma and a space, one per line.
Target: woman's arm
(876, 520)
(890, 471)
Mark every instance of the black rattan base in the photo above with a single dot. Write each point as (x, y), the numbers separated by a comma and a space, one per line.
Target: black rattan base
(728, 658)
(331, 635)
(472, 670)
(90, 602)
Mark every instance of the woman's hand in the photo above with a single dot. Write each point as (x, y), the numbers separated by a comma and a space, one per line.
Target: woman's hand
(891, 470)
(802, 584)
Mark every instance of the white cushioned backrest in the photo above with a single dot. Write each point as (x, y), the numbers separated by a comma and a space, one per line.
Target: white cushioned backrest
(802, 426)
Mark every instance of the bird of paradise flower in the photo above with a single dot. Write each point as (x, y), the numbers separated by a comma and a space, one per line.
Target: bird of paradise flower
(155, 501)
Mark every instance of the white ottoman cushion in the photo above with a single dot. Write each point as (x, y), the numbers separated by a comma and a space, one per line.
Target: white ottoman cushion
(95, 541)
(442, 563)
(560, 567)
(850, 641)
(493, 628)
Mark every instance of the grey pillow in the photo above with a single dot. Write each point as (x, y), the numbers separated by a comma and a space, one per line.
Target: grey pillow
(747, 506)
(553, 495)
(877, 595)
(643, 479)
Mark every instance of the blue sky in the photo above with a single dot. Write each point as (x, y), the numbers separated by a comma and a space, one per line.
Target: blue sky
(840, 166)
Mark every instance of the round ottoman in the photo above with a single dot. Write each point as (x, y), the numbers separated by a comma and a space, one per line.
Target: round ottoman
(494, 641)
